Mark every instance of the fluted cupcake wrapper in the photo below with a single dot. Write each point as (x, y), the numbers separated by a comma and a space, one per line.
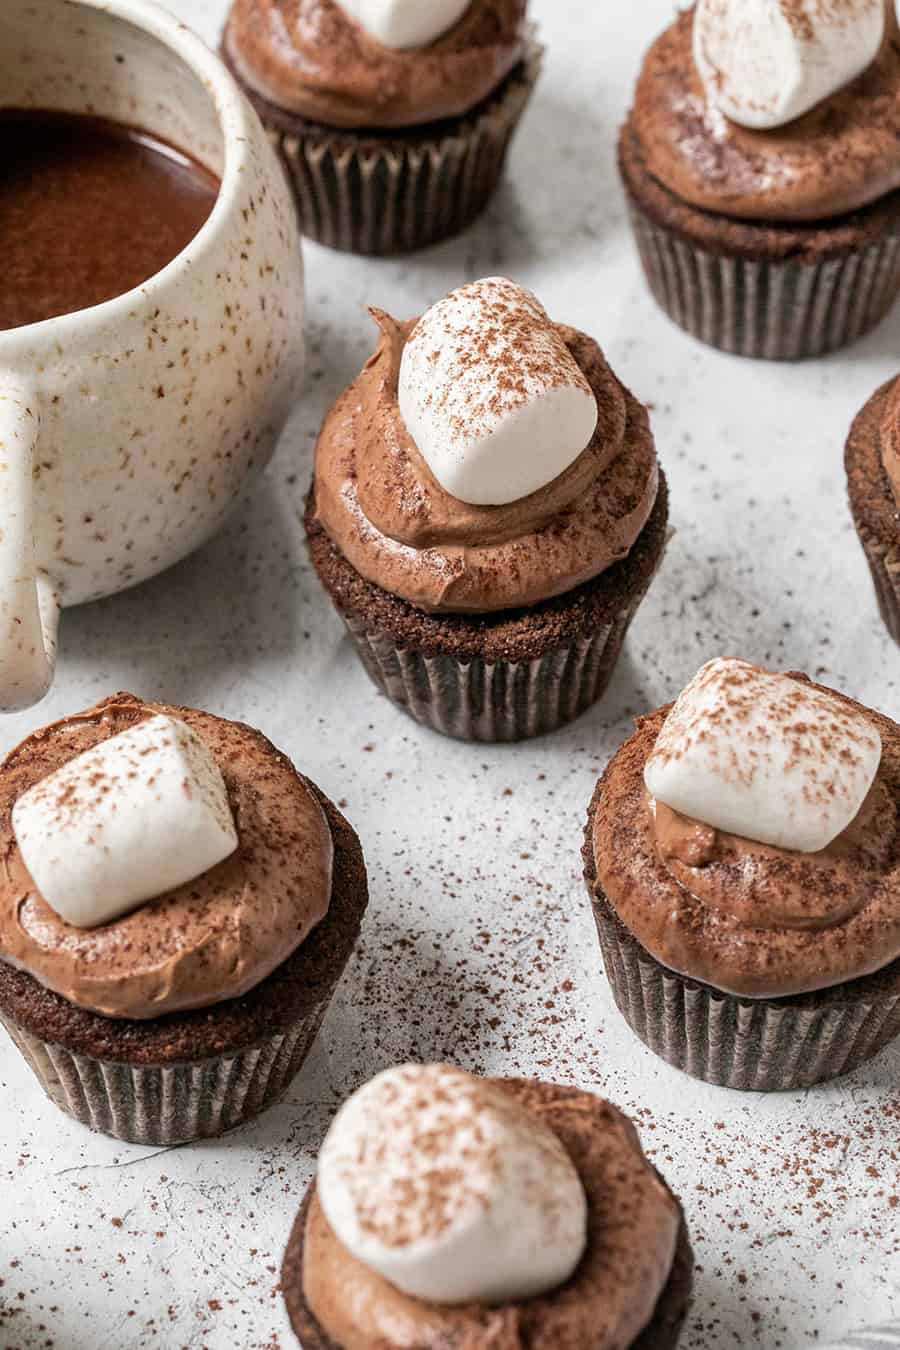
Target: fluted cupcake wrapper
(358, 195)
(172, 1103)
(475, 700)
(755, 1045)
(780, 310)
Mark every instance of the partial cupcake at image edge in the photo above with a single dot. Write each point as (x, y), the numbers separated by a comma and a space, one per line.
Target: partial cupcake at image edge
(487, 513)
(872, 461)
(393, 121)
(760, 165)
(461, 1212)
(176, 909)
(742, 854)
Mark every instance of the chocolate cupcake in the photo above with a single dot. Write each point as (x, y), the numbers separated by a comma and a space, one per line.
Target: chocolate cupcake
(761, 169)
(458, 1213)
(742, 853)
(487, 514)
(176, 909)
(872, 460)
(393, 120)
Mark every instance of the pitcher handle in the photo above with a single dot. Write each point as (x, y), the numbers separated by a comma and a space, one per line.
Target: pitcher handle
(29, 603)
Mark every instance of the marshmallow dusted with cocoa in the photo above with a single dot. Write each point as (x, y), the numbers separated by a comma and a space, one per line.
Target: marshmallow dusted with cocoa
(768, 757)
(491, 394)
(405, 23)
(136, 816)
(449, 1189)
(766, 62)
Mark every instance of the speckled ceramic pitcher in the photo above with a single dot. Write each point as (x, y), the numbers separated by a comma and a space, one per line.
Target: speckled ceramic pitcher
(127, 430)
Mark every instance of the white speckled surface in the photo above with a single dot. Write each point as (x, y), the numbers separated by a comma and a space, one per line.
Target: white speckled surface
(479, 944)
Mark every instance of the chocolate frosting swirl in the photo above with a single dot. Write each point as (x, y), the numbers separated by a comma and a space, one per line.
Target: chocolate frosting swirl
(768, 887)
(382, 507)
(310, 57)
(633, 1225)
(210, 940)
(745, 917)
(837, 158)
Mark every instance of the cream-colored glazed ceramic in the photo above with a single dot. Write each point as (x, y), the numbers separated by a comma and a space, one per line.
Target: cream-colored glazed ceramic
(127, 430)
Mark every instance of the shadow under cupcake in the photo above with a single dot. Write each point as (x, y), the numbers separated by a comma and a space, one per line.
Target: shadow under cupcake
(182, 993)
(742, 853)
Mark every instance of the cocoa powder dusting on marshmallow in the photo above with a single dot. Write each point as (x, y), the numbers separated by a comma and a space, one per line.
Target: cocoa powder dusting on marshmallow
(803, 15)
(519, 349)
(808, 742)
(434, 1118)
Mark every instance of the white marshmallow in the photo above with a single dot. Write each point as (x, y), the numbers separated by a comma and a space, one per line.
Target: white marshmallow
(138, 815)
(450, 1190)
(405, 23)
(492, 396)
(766, 62)
(763, 756)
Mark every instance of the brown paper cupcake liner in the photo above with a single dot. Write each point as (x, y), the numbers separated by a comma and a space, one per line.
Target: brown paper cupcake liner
(387, 194)
(475, 700)
(759, 1045)
(172, 1103)
(780, 309)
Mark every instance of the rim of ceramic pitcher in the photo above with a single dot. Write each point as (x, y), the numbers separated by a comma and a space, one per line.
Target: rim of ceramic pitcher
(234, 117)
